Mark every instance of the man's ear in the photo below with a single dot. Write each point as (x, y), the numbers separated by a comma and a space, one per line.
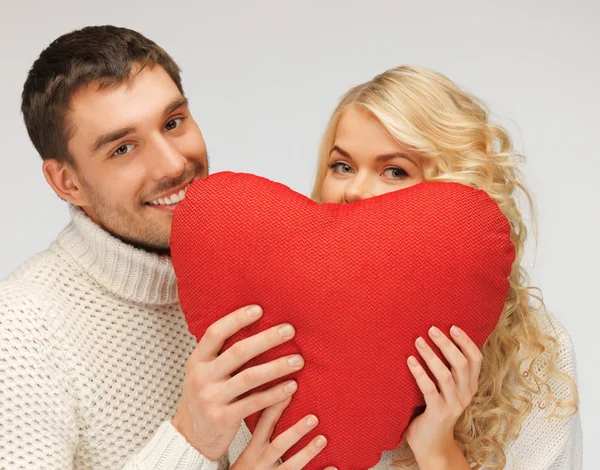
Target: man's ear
(63, 179)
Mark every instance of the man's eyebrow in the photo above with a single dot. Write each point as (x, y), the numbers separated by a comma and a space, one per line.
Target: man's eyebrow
(380, 158)
(175, 104)
(112, 136)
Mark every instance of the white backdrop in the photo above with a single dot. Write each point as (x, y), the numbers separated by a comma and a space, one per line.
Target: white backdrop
(263, 77)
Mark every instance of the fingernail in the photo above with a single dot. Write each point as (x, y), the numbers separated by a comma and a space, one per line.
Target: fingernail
(412, 361)
(254, 311)
(455, 330)
(435, 332)
(320, 442)
(286, 330)
(310, 421)
(291, 387)
(296, 361)
(421, 343)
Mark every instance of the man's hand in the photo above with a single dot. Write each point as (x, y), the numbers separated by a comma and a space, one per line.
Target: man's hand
(262, 454)
(210, 413)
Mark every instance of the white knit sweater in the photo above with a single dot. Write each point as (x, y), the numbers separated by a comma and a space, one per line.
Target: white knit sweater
(93, 347)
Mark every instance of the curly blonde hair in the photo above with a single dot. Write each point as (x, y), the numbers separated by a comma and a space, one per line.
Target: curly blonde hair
(451, 130)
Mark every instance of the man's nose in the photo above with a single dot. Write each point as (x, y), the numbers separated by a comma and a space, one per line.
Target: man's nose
(357, 190)
(167, 161)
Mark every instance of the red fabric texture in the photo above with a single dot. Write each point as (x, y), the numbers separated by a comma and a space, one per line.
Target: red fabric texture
(359, 282)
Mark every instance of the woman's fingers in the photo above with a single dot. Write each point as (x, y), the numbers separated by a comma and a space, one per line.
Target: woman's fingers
(430, 392)
(473, 355)
(302, 458)
(459, 364)
(282, 443)
(266, 423)
(443, 376)
(271, 452)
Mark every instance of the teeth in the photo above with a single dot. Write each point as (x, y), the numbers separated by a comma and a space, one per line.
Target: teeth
(174, 199)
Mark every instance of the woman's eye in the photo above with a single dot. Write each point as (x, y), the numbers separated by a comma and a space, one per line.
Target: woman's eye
(395, 173)
(123, 149)
(173, 124)
(341, 167)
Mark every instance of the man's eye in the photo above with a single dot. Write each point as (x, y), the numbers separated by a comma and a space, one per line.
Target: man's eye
(173, 124)
(123, 149)
(395, 173)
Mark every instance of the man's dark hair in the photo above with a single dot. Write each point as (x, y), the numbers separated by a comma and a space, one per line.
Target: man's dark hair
(96, 53)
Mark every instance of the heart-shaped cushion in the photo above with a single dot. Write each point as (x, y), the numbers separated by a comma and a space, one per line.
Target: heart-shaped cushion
(359, 282)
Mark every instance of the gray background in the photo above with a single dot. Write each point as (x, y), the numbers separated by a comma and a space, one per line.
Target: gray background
(263, 77)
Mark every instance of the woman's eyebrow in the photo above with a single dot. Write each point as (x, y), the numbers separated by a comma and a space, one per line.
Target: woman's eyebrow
(380, 158)
(390, 156)
(341, 151)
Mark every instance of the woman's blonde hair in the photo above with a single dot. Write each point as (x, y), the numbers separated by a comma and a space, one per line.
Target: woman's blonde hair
(451, 130)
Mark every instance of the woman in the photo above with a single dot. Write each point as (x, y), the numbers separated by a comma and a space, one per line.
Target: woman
(514, 404)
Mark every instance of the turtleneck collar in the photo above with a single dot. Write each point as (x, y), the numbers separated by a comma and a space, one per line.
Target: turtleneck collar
(126, 271)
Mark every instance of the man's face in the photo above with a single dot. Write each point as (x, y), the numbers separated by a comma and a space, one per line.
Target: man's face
(136, 148)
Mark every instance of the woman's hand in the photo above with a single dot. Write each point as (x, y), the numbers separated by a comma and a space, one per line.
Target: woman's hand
(431, 434)
(262, 454)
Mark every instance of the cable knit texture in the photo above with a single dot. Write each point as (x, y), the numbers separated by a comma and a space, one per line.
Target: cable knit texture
(93, 347)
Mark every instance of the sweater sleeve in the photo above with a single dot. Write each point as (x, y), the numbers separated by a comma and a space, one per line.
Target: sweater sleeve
(548, 442)
(38, 408)
(168, 450)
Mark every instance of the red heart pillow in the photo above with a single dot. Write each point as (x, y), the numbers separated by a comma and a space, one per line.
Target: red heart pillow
(359, 282)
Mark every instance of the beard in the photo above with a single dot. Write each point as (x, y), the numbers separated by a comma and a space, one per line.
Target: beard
(146, 229)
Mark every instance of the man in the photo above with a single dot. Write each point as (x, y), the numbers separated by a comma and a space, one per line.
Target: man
(93, 342)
